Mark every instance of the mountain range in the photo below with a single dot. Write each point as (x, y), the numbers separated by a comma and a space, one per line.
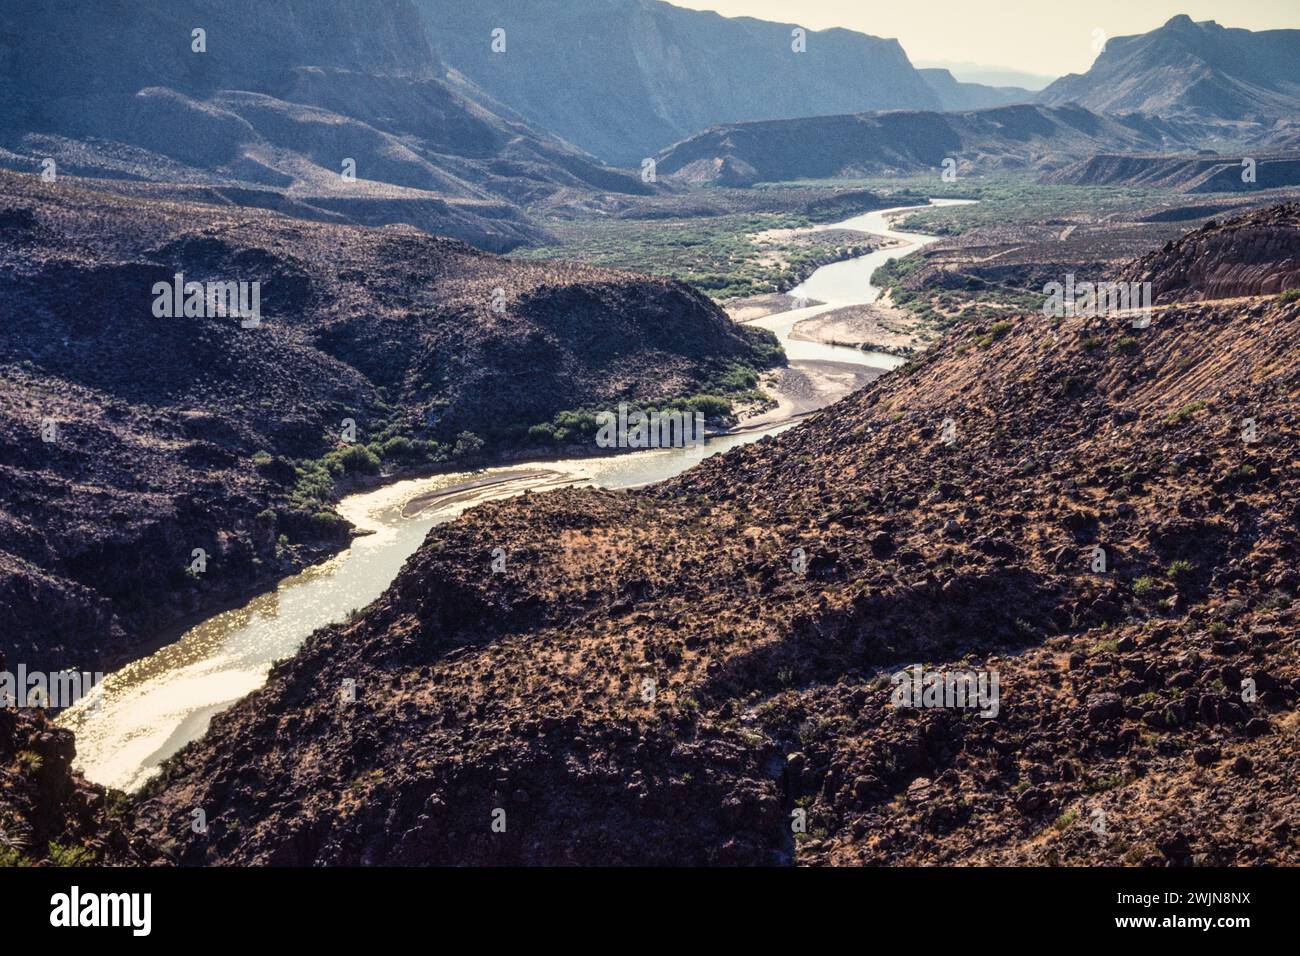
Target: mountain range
(905, 141)
(461, 116)
(624, 78)
(1184, 68)
(271, 110)
(417, 120)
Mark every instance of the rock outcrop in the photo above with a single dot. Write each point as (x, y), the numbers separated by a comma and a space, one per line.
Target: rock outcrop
(49, 814)
(1254, 254)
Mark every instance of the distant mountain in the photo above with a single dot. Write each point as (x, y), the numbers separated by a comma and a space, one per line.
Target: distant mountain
(912, 141)
(624, 78)
(1191, 69)
(285, 92)
(987, 75)
(956, 95)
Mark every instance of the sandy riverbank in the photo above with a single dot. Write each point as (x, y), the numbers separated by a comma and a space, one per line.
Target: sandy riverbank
(805, 387)
(879, 326)
(761, 306)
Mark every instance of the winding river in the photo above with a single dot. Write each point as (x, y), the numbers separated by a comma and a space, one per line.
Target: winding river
(145, 712)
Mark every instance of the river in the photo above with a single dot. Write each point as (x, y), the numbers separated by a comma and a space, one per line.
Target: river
(143, 713)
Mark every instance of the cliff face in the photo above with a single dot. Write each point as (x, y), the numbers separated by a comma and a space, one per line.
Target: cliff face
(118, 47)
(701, 672)
(156, 424)
(662, 72)
(1255, 254)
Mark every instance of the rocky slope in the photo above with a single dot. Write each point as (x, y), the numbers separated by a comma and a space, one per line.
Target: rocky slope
(1191, 69)
(1188, 174)
(51, 815)
(269, 114)
(700, 672)
(662, 72)
(908, 142)
(1255, 254)
(127, 441)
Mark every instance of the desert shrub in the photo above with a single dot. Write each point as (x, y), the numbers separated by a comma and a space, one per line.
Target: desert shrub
(1184, 413)
(29, 761)
(356, 459)
(11, 857)
(61, 855)
(712, 406)
(467, 443)
(995, 332)
(328, 524)
(315, 486)
(1179, 571)
(399, 448)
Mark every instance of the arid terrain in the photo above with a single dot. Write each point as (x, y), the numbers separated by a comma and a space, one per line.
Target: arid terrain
(167, 435)
(657, 680)
(373, 584)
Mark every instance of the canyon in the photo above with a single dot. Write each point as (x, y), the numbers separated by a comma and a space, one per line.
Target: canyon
(176, 434)
(382, 572)
(1120, 691)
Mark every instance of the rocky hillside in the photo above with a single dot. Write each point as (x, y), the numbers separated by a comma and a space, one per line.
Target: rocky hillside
(1007, 137)
(269, 113)
(1184, 68)
(1255, 254)
(48, 813)
(128, 440)
(700, 672)
(624, 78)
(1187, 174)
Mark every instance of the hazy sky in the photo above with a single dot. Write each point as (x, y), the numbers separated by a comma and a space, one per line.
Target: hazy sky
(1050, 37)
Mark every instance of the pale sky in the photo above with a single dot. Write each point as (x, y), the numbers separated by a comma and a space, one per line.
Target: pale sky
(1050, 37)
